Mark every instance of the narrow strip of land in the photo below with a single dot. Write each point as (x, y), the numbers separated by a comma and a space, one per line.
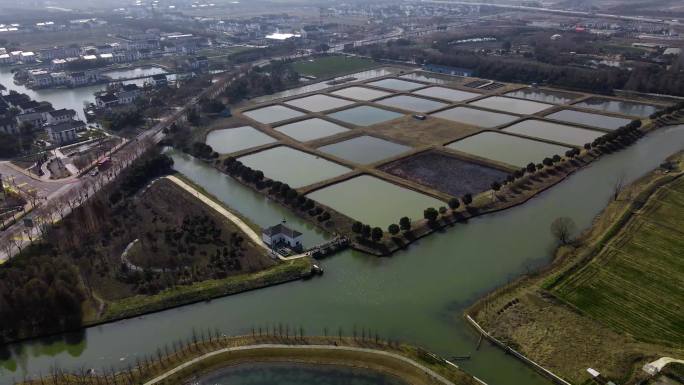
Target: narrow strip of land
(196, 360)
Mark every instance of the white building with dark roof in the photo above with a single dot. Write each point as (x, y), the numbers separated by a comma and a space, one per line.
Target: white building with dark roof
(282, 236)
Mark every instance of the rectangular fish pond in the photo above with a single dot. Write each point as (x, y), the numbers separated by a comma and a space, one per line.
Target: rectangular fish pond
(272, 114)
(294, 167)
(229, 140)
(507, 149)
(396, 84)
(310, 129)
(361, 93)
(449, 94)
(475, 117)
(516, 106)
(318, 102)
(618, 106)
(446, 173)
(365, 149)
(373, 201)
(412, 103)
(554, 132)
(588, 119)
(365, 115)
(544, 96)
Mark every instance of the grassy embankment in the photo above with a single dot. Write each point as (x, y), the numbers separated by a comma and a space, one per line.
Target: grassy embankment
(610, 301)
(330, 66)
(282, 349)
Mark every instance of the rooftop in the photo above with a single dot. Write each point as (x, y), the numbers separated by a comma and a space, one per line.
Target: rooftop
(282, 229)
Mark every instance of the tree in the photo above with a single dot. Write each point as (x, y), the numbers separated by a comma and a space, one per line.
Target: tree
(454, 203)
(531, 168)
(357, 227)
(393, 229)
(496, 186)
(442, 210)
(467, 199)
(562, 229)
(405, 224)
(430, 214)
(366, 231)
(618, 185)
(376, 234)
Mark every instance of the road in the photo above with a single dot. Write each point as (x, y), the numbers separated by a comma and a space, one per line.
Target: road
(398, 357)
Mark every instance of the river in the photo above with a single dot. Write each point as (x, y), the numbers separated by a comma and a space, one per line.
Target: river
(417, 295)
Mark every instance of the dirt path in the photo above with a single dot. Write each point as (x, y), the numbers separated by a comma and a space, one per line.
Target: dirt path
(233, 218)
(299, 347)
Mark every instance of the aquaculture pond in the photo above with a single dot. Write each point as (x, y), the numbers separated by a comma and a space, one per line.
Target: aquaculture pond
(588, 119)
(361, 93)
(374, 201)
(618, 106)
(475, 117)
(449, 94)
(294, 167)
(545, 96)
(275, 373)
(507, 149)
(396, 84)
(310, 129)
(418, 295)
(230, 140)
(446, 173)
(411, 103)
(272, 114)
(554, 132)
(431, 78)
(364, 149)
(365, 115)
(516, 106)
(319, 102)
(359, 76)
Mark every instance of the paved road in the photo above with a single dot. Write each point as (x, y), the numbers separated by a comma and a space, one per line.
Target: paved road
(177, 369)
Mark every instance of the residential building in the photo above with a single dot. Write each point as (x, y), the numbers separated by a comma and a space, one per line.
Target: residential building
(160, 80)
(61, 115)
(64, 132)
(282, 236)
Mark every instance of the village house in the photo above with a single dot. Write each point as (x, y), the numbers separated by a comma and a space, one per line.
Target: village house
(61, 115)
(282, 236)
(9, 126)
(160, 80)
(64, 132)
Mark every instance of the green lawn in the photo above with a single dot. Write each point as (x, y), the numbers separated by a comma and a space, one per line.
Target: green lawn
(636, 283)
(329, 66)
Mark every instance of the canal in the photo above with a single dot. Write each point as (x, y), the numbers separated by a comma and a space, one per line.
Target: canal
(417, 295)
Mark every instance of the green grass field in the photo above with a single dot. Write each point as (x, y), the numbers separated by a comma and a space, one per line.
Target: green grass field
(636, 283)
(329, 66)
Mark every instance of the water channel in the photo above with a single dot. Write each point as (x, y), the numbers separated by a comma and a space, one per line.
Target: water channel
(417, 295)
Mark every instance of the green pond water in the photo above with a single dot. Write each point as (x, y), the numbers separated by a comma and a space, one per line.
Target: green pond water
(396, 84)
(507, 148)
(272, 114)
(294, 167)
(516, 106)
(365, 115)
(361, 93)
(411, 103)
(588, 119)
(618, 106)
(364, 149)
(417, 295)
(319, 102)
(230, 140)
(554, 132)
(475, 117)
(310, 129)
(295, 374)
(373, 201)
(545, 96)
(449, 94)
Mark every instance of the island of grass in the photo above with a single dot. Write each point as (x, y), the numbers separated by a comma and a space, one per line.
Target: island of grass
(330, 66)
(143, 244)
(611, 300)
(187, 361)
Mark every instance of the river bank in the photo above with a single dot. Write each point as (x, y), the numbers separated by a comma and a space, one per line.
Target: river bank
(185, 361)
(527, 315)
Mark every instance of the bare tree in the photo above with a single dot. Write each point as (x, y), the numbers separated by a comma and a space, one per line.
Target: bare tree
(618, 185)
(563, 229)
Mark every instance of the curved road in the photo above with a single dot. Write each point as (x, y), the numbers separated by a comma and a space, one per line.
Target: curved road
(184, 365)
